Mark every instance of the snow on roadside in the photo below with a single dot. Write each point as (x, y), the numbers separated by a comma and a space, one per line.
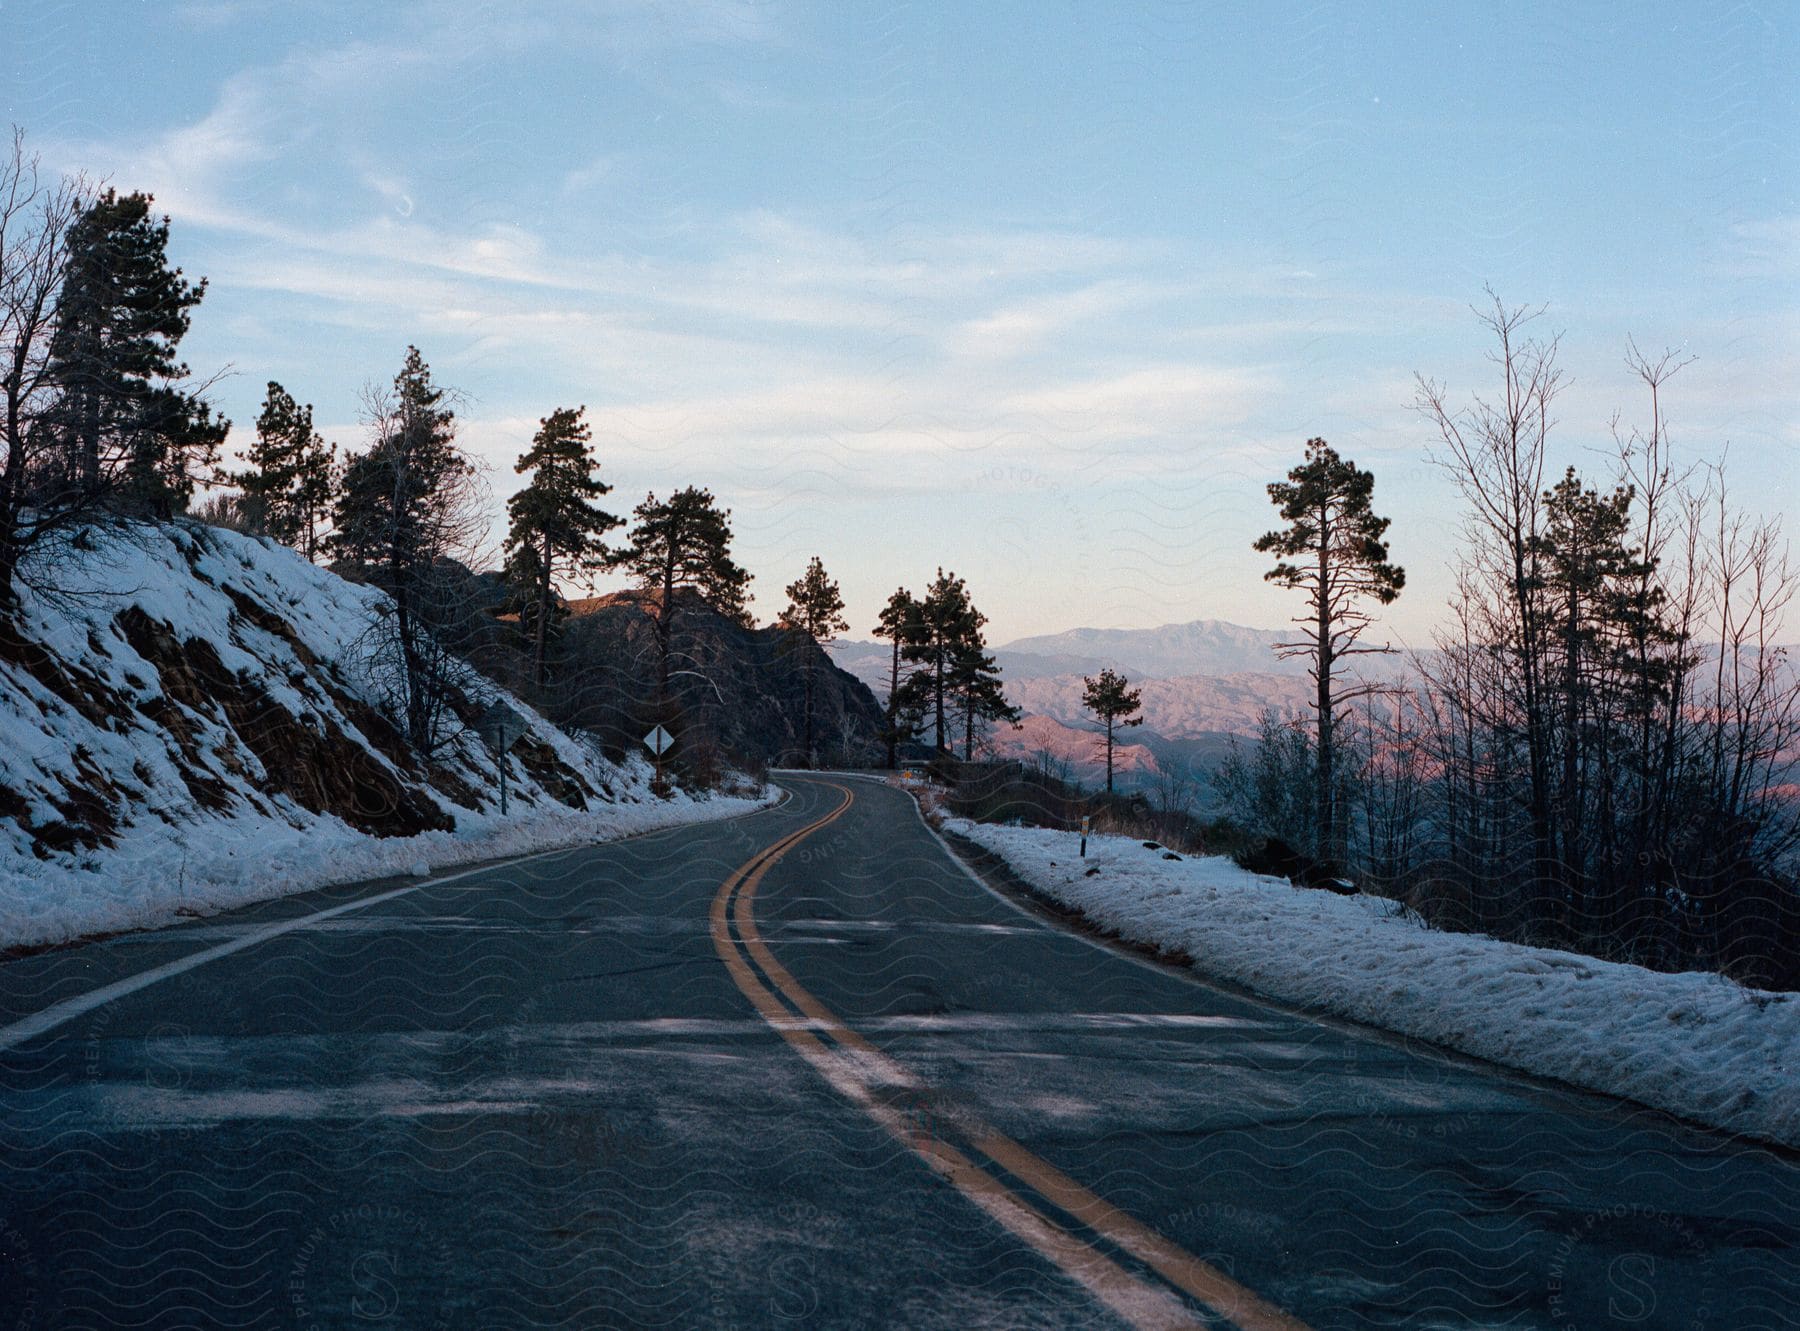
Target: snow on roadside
(1696, 1045)
(161, 876)
(192, 726)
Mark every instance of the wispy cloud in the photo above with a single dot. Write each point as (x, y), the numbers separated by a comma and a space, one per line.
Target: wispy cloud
(1768, 247)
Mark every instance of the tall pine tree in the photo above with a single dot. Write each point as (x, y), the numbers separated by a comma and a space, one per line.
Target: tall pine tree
(1116, 705)
(902, 623)
(980, 696)
(1332, 549)
(287, 483)
(129, 435)
(815, 610)
(407, 502)
(557, 532)
(682, 544)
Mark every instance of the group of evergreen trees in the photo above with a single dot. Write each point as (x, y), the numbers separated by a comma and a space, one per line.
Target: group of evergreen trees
(103, 421)
(400, 513)
(943, 678)
(406, 508)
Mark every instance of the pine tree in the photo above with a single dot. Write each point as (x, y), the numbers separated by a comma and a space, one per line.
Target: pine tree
(287, 483)
(398, 504)
(408, 501)
(128, 434)
(314, 492)
(1588, 570)
(1337, 538)
(815, 609)
(952, 664)
(684, 543)
(556, 532)
(1115, 705)
(975, 682)
(902, 623)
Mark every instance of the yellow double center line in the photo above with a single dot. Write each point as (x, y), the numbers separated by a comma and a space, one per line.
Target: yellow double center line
(886, 1090)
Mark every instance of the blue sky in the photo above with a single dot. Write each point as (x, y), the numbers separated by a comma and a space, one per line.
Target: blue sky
(1044, 293)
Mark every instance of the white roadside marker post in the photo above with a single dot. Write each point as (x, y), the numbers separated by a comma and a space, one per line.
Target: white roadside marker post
(1084, 832)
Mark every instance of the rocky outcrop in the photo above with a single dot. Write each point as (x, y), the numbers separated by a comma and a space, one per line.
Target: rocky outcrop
(197, 681)
(736, 692)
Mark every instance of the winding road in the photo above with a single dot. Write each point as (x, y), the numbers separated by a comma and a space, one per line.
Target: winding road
(802, 1069)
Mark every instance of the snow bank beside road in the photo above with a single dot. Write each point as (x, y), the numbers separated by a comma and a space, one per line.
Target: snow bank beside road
(198, 720)
(1693, 1044)
(159, 877)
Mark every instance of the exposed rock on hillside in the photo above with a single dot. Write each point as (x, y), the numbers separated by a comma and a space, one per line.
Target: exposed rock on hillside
(737, 691)
(197, 707)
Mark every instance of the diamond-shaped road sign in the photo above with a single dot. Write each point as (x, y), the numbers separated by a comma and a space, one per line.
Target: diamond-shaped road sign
(501, 727)
(659, 741)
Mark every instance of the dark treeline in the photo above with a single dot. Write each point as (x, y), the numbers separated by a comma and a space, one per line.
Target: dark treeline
(1600, 751)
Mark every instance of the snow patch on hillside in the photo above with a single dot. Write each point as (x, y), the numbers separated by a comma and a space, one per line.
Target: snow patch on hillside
(192, 728)
(1696, 1045)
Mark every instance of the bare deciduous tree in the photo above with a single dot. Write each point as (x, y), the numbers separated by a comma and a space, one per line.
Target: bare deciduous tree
(35, 217)
(1611, 692)
(1497, 451)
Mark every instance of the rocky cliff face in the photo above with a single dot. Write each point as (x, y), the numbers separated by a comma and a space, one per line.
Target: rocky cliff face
(736, 692)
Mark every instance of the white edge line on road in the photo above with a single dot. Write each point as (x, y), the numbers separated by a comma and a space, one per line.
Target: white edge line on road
(70, 1008)
(987, 887)
(1162, 968)
(59, 1014)
(1411, 1045)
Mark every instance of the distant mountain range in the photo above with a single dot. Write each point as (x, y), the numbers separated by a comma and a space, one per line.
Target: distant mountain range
(1202, 682)
(1208, 647)
(1184, 708)
(1079, 747)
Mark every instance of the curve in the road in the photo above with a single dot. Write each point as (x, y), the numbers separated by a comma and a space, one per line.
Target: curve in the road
(893, 1097)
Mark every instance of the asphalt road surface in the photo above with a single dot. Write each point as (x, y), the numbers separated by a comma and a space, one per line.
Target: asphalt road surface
(800, 1069)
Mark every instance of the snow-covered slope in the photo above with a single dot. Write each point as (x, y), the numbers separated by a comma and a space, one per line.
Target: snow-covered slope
(193, 726)
(1697, 1045)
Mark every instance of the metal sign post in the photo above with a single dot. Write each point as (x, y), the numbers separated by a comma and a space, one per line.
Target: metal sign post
(659, 741)
(501, 728)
